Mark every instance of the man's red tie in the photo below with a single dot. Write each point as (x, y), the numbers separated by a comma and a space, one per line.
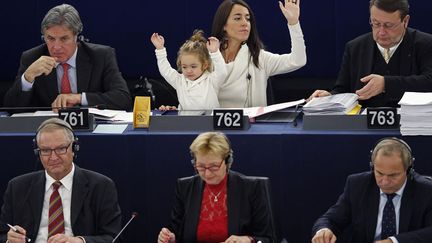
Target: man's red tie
(65, 84)
(55, 216)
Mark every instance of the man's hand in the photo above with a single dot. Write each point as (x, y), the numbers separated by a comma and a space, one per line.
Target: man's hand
(324, 235)
(384, 241)
(157, 40)
(375, 86)
(43, 65)
(62, 238)
(213, 44)
(66, 100)
(17, 237)
(318, 93)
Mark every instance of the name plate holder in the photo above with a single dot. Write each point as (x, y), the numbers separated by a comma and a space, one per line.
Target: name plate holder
(79, 119)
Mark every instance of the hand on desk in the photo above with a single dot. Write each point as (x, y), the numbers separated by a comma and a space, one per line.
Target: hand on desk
(62, 238)
(66, 100)
(324, 235)
(318, 93)
(166, 236)
(238, 239)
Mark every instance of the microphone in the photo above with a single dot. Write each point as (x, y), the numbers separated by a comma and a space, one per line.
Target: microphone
(149, 87)
(248, 76)
(134, 215)
(82, 38)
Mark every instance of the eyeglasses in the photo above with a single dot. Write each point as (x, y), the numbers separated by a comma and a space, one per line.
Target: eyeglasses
(386, 25)
(63, 40)
(58, 151)
(212, 168)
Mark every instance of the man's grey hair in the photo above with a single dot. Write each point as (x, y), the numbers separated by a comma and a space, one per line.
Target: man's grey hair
(64, 15)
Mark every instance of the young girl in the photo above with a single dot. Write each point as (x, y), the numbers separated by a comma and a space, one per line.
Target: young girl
(201, 73)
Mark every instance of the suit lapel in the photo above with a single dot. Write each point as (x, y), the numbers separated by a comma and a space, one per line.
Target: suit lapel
(35, 200)
(193, 210)
(233, 204)
(367, 57)
(406, 61)
(79, 193)
(406, 206)
(371, 212)
(83, 69)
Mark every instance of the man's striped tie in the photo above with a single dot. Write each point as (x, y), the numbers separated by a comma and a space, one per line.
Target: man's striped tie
(56, 219)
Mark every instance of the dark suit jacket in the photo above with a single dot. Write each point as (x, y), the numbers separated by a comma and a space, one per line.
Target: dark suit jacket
(249, 212)
(97, 74)
(415, 67)
(95, 213)
(358, 207)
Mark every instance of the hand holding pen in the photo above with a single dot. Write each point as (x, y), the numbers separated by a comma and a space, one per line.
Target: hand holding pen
(17, 233)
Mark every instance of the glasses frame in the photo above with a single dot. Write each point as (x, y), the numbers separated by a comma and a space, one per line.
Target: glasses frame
(58, 151)
(212, 168)
(386, 26)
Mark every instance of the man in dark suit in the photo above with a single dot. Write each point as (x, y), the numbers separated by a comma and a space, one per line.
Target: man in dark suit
(380, 66)
(63, 203)
(389, 204)
(84, 73)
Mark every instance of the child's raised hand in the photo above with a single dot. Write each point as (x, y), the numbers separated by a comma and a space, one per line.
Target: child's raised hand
(158, 41)
(213, 44)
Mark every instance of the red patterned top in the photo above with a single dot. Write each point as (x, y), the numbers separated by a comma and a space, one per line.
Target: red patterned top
(213, 220)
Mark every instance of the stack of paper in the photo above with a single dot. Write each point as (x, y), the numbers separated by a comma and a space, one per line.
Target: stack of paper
(333, 104)
(416, 113)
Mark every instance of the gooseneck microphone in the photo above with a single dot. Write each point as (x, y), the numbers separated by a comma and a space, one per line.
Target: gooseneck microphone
(134, 215)
(149, 88)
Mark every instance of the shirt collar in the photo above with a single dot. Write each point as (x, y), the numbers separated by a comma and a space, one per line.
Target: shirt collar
(72, 59)
(65, 181)
(398, 192)
(392, 49)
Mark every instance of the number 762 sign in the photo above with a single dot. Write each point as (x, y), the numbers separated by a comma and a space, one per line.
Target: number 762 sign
(382, 118)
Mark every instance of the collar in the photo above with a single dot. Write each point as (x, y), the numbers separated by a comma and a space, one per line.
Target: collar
(392, 49)
(398, 192)
(72, 59)
(65, 181)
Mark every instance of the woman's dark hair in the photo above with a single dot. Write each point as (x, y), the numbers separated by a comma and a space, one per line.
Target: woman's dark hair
(221, 16)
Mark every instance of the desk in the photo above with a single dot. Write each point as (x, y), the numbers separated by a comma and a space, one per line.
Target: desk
(307, 168)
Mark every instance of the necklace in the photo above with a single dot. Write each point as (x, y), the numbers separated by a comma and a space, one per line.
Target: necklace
(215, 197)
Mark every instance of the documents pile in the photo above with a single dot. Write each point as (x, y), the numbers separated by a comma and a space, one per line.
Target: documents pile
(416, 113)
(337, 104)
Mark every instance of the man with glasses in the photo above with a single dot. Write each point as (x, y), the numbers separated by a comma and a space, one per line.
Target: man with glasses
(380, 66)
(66, 71)
(389, 204)
(63, 202)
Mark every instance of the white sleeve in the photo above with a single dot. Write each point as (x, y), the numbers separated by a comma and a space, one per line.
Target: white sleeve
(277, 64)
(168, 73)
(219, 73)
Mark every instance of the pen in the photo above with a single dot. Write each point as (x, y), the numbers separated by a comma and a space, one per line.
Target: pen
(16, 230)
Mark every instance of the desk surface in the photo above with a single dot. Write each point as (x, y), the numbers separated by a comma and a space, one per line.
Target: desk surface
(307, 168)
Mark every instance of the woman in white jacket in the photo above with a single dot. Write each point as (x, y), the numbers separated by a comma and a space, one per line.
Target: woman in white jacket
(248, 64)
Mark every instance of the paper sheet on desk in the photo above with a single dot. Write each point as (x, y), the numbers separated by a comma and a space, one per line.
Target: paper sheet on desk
(110, 128)
(37, 113)
(258, 111)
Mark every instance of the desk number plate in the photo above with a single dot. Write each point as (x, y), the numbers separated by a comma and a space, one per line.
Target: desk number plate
(77, 118)
(228, 119)
(382, 118)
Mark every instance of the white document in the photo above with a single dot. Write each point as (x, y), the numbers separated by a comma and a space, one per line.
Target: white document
(110, 128)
